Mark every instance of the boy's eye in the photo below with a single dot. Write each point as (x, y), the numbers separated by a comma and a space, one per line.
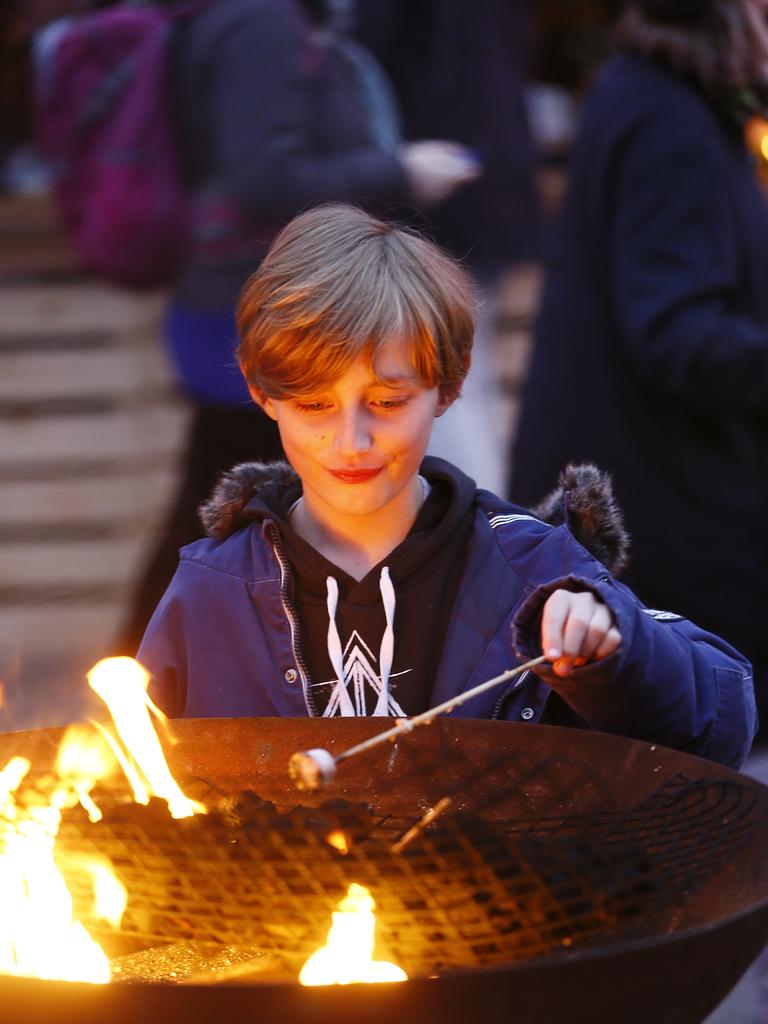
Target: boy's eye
(390, 403)
(312, 406)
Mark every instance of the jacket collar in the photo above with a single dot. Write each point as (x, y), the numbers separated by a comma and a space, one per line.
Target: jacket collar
(583, 500)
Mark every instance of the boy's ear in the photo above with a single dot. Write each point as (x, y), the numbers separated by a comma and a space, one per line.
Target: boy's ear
(264, 401)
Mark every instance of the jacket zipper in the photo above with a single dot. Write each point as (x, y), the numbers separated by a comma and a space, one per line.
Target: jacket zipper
(499, 705)
(290, 615)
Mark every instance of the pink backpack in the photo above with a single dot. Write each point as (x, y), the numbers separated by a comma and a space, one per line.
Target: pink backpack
(105, 127)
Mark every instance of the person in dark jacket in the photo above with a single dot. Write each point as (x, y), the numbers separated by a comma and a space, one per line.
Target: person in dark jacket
(458, 70)
(366, 580)
(278, 110)
(651, 349)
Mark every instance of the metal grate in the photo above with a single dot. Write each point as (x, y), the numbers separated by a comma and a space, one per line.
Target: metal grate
(470, 891)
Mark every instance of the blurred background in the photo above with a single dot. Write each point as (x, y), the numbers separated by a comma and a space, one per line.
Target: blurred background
(92, 423)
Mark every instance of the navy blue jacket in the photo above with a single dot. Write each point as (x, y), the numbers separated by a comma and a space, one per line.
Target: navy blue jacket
(222, 641)
(651, 354)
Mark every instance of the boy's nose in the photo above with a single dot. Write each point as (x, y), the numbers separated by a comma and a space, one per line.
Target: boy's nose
(353, 435)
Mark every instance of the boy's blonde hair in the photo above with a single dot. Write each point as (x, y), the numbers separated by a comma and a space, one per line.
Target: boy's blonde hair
(336, 283)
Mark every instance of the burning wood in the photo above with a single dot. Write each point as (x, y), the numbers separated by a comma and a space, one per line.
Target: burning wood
(458, 893)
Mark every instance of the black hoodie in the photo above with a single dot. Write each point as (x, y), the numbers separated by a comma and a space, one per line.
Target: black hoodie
(343, 618)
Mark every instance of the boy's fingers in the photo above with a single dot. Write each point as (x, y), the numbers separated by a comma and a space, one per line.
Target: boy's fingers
(552, 623)
(611, 643)
(577, 625)
(576, 628)
(599, 625)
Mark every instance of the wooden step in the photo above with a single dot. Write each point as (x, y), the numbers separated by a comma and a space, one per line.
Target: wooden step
(116, 499)
(91, 430)
(122, 434)
(60, 562)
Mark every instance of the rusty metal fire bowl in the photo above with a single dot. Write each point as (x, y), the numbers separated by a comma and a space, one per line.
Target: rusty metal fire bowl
(575, 877)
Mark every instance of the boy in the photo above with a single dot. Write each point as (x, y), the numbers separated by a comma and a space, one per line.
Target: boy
(372, 581)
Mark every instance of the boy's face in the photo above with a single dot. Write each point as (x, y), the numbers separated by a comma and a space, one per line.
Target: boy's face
(357, 444)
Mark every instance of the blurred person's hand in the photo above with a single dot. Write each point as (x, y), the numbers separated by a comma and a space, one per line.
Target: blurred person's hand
(435, 169)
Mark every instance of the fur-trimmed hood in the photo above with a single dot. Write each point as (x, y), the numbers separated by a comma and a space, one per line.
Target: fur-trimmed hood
(225, 511)
(583, 498)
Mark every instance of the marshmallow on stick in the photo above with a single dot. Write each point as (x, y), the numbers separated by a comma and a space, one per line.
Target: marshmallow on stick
(314, 769)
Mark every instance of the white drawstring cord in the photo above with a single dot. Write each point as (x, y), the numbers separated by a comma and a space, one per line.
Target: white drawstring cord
(339, 696)
(387, 648)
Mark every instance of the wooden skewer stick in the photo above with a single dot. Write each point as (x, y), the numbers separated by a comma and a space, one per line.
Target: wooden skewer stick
(313, 769)
(432, 814)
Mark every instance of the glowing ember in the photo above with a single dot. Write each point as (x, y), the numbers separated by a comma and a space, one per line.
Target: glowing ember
(338, 841)
(122, 685)
(347, 957)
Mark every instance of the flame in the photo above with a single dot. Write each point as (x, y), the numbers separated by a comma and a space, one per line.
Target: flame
(347, 956)
(39, 937)
(122, 685)
(84, 758)
(109, 894)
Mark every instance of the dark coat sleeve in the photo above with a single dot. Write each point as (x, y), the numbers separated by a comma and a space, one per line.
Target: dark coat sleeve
(271, 154)
(676, 261)
(670, 682)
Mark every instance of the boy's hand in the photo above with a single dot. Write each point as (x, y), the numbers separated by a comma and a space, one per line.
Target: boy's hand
(576, 628)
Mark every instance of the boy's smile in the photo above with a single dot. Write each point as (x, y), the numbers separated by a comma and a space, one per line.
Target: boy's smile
(356, 476)
(357, 444)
